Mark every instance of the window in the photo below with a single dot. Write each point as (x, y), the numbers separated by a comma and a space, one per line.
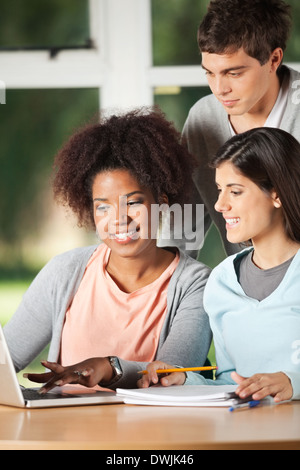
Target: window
(61, 60)
(34, 124)
(174, 31)
(48, 24)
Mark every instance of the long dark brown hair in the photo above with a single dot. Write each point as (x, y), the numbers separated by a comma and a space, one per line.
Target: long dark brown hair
(271, 159)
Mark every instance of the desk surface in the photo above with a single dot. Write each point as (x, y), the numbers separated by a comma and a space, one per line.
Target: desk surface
(119, 427)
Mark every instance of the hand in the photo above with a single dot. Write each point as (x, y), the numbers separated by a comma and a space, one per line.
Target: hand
(176, 378)
(88, 373)
(262, 385)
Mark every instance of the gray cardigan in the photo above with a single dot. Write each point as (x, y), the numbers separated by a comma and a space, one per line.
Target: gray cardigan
(207, 129)
(185, 337)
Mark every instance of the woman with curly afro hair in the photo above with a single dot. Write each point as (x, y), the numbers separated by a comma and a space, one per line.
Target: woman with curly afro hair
(110, 309)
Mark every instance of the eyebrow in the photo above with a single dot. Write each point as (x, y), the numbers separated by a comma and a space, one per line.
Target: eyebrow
(230, 69)
(125, 195)
(230, 185)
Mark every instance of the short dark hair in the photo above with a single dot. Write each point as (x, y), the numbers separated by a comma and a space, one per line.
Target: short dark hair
(141, 141)
(271, 159)
(257, 26)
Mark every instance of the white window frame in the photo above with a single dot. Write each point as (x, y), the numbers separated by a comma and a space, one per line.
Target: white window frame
(120, 65)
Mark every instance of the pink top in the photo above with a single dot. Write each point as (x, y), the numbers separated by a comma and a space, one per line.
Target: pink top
(103, 320)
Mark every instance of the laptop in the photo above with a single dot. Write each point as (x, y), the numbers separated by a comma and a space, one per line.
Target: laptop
(12, 394)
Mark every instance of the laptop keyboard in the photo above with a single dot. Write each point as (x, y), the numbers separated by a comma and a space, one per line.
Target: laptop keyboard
(30, 394)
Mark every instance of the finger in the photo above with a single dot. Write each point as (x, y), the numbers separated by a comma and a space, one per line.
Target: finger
(39, 378)
(237, 378)
(275, 390)
(140, 384)
(272, 391)
(244, 388)
(58, 381)
(286, 394)
(176, 378)
(257, 386)
(55, 382)
(247, 391)
(144, 382)
(53, 366)
(152, 376)
(70, 377)
(282, 396)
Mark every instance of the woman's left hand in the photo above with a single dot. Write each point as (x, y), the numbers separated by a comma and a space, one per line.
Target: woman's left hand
(88, 373)
(260, 386)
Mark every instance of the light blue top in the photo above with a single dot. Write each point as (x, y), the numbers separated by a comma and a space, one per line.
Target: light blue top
(253, 337)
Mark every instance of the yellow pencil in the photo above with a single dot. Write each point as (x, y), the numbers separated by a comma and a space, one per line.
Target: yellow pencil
(187, 369)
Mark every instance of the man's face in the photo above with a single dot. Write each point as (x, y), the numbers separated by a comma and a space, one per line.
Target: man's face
(240, 82)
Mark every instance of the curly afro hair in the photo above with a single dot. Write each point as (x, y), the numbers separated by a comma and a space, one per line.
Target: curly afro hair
(141, 141)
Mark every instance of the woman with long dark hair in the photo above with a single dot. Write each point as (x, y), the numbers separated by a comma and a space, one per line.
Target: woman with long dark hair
(253, 298)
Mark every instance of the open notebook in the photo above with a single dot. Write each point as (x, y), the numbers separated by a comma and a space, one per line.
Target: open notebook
(187, 395)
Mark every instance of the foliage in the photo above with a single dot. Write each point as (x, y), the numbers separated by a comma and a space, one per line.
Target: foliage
(175, 24)
(46, 23)
(34, 123)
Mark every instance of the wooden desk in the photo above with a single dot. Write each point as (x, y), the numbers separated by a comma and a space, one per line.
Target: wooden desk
(119, 427)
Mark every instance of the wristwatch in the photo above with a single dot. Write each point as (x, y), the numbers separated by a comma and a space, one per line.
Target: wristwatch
(115, 365)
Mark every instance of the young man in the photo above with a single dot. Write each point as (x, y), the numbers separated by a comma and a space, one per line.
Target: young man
(242, 44)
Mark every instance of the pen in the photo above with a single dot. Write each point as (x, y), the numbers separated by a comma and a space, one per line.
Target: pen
(187, 369)
(250, 405)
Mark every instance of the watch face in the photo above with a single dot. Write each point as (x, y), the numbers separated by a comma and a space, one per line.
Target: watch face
(114, 361)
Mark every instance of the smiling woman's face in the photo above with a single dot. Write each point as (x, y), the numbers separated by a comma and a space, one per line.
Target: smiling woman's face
(250, 213)
(122, 212)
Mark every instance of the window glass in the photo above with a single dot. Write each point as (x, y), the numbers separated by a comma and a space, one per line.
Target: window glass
(176, 102)
(34, 125)
(43, 24)
(175, 24)
(293, 50)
